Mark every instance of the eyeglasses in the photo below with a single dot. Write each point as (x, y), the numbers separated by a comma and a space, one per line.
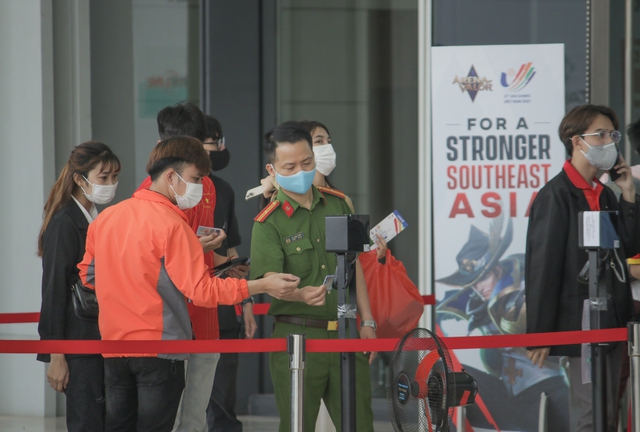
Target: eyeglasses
(218, 143)
(603, 135)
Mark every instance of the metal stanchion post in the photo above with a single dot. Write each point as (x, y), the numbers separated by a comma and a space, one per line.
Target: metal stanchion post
(296, 350)
(598, 236)
(598, 353)
(461, 418)
(347, 235)
(634, 379)
(542, 413)
(346, 329)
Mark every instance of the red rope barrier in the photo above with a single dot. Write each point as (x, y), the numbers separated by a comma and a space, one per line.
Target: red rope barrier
(141, 346)
(313, 345)
(429, 299)
(258, 309)
(17, 318)
(261, 308)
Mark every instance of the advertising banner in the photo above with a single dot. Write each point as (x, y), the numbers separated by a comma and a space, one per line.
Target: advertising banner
(496, 111)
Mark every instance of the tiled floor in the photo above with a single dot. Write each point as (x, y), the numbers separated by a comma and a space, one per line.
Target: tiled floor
(33, 424)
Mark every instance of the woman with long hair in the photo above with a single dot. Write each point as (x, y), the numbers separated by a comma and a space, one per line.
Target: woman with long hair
(90, 177)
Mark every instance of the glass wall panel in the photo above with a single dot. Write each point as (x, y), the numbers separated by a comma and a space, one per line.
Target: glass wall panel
(617, 66)
(166, 65)
(353, 65)
(498, 22)
(635, 80)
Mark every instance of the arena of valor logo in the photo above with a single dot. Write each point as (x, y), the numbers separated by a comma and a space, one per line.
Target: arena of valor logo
(472, 83)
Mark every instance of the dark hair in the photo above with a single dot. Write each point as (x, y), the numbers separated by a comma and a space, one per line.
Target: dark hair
(633, 131)
(312, 125)
(578, 120)
(182, 119)
(177, 153)
(83, 159)
(289, 132)
(214, 128)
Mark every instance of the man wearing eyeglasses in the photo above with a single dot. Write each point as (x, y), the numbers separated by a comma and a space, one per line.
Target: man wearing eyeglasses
(555, 295)
(221, 415)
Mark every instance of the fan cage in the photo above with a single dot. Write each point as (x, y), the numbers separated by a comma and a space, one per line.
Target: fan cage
(428, 403)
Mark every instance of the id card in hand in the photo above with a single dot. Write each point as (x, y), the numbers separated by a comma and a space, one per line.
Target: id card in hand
(206, 231)
(328, 282)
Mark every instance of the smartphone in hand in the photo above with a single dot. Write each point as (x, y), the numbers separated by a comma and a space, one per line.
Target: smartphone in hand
(613, 175)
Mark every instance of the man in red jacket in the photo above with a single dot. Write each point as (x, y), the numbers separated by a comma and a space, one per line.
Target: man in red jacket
(143, 259)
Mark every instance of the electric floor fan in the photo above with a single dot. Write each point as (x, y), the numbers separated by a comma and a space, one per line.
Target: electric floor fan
(422, 388)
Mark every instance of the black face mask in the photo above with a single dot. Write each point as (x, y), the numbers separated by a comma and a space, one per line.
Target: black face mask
(219, 159)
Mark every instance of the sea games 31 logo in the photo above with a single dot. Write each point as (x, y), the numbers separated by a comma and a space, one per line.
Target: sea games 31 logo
(518, 80)
(472, 83)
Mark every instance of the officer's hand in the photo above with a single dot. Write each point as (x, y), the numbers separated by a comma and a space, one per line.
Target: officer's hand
(212, 241)
(538, 355)
(312, 295)
(280, 285)
(367, 332)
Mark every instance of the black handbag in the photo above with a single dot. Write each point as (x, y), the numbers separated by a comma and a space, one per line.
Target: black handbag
(85, 303)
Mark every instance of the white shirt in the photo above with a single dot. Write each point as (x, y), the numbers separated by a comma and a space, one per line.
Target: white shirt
(90, 215)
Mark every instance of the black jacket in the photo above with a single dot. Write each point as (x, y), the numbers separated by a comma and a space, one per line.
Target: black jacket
(224, 217)
(63, 248)
(554, 296)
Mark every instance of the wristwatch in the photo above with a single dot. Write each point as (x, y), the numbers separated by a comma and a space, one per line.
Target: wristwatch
(369, 323)
(247, 300)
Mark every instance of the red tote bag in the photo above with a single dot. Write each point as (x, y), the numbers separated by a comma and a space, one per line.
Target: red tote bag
(396, 303)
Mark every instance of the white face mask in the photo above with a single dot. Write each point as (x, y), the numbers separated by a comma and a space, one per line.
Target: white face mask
(325, 158)
(191, 197)
(100, 194)
(603, 157)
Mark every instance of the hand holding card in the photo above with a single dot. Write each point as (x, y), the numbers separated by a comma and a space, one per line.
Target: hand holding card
(388, 228)
(210, 238)
(328, 282)
(204, 231)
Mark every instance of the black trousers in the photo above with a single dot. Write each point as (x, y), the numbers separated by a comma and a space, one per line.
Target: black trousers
(85, 393)
(221, 414)
(143, 393)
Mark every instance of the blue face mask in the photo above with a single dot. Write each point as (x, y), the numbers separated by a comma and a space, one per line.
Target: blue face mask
(298, 183)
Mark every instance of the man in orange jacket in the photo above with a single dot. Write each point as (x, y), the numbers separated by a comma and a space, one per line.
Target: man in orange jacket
(187, 119)
(143, 259)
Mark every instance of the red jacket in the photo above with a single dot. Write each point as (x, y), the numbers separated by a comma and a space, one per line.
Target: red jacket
(204, 320)
(143, 259)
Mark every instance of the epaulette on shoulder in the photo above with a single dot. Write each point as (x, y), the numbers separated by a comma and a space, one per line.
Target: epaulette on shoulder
(264, 214)
(331, 191)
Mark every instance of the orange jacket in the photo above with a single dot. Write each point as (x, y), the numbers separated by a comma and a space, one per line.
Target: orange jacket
(204, 321)
(142, 258)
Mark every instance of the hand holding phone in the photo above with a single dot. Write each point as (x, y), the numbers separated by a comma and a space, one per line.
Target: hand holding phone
(254, 192)
(613, 174)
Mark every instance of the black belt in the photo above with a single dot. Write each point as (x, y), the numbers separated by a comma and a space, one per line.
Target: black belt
(307, 322)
